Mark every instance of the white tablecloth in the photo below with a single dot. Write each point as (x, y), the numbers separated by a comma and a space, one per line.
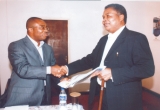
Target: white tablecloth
(50, 107)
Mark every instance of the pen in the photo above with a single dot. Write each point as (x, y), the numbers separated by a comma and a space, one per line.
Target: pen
(117, 54)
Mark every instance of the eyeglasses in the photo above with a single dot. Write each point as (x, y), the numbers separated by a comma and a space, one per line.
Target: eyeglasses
(41, 27)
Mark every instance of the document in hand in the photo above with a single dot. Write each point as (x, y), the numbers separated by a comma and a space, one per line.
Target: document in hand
(77, 78)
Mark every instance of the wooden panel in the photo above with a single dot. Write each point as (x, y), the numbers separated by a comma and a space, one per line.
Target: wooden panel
(58, 39)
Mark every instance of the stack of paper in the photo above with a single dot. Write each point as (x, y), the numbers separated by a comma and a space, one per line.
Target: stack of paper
(77, 78)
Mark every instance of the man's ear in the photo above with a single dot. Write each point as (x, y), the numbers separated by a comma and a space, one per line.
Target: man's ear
(121, 17)
(30, 29)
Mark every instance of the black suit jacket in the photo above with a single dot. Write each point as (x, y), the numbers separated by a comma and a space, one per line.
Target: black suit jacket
(133, 63)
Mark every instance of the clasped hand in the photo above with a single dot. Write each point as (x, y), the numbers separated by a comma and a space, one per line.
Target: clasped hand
(59, 71)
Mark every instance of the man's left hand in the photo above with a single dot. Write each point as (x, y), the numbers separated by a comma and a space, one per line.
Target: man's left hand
(104, 74)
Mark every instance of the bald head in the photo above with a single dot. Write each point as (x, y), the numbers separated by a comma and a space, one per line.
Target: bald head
(31, 22)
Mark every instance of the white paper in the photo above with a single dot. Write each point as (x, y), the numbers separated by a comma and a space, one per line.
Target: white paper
(22, 107)
(77, 78)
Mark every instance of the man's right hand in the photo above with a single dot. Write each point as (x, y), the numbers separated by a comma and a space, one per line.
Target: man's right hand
(58, 71)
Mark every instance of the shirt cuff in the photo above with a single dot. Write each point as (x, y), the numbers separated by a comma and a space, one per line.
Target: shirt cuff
(67, 70)
(99, 82)
(111, 79)
(48, 70)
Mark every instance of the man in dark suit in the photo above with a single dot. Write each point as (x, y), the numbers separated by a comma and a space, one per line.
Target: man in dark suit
(32, 61)
(127, 57)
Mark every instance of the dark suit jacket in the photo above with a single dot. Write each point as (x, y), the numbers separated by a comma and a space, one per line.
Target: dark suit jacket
(133, 63)
(28, 73)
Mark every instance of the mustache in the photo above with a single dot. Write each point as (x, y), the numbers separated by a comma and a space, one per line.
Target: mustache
(47, 33)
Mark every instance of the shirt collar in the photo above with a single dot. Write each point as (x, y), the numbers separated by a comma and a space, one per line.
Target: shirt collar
(115, 34)
(34, 42)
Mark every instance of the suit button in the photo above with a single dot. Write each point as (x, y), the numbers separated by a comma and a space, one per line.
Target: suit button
(42, 89)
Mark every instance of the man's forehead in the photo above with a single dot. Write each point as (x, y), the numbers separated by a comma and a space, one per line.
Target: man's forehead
(40, 22)
(109, 11)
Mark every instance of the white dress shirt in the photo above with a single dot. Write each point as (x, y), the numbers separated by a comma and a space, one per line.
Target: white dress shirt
(109, 43)
(39, 48)
(40, 51)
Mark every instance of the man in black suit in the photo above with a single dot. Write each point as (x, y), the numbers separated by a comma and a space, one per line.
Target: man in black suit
(127, 57)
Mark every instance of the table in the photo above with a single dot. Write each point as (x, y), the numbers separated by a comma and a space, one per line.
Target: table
(49, 107)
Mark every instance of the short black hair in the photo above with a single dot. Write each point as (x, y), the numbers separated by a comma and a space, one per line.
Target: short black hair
(30, 21)
(120, 9)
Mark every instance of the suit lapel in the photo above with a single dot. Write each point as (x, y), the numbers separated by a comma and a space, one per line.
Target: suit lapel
(101, 50)
(32, 49)
(118, 42)
(44, 49)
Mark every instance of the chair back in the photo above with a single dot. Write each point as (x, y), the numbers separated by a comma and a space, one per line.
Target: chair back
(3, 97)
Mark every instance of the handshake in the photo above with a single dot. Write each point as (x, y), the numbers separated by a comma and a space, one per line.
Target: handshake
(59, 71)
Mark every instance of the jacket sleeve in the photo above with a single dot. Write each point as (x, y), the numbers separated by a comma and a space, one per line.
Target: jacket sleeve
(89, 61)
